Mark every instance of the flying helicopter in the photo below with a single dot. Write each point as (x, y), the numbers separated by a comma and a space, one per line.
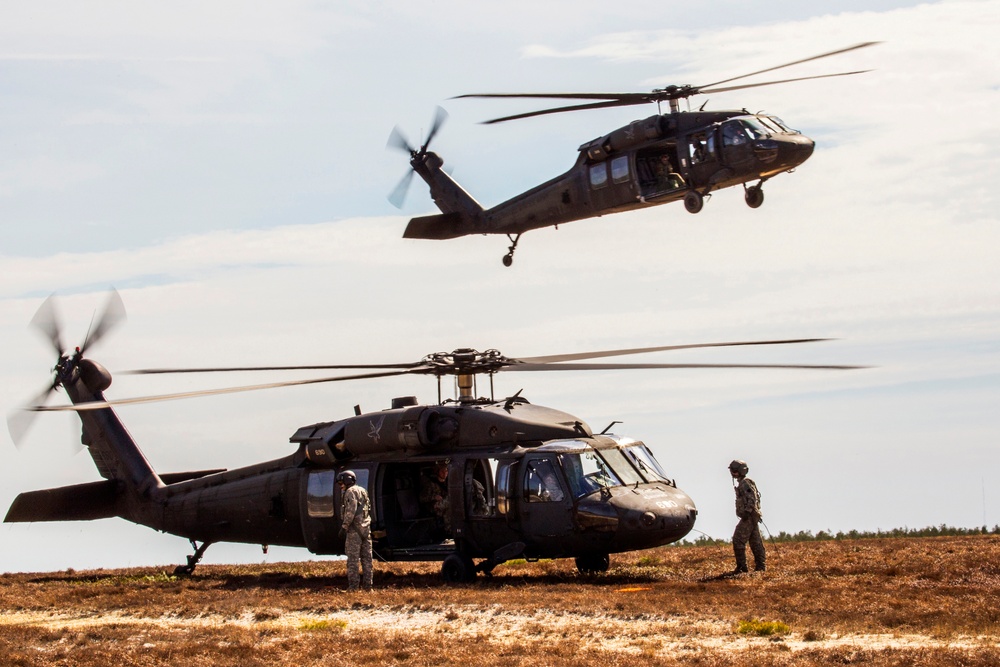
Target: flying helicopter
(679, 155)
(522, 480)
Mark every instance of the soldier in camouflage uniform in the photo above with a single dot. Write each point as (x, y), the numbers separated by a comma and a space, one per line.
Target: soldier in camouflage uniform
(356, 528)
(748, 510)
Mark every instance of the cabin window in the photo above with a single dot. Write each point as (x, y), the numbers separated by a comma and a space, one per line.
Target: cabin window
(541, 484)
(598, 175)
(319, 494)
(619, 169)
(478, 488)
(702, 147)
(503, 486)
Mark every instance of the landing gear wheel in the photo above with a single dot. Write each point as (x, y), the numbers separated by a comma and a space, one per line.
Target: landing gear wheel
(593, 564)
(457, 569)
(754, 196)
(693, 201)
(508, 259)
(192, 560)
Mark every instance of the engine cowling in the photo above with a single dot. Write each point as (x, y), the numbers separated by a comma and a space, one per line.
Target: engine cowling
(94, 375)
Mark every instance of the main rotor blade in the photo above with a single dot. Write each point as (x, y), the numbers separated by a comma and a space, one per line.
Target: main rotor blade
(46, 320)
(611, 367)
(706, 91)
(554, 96)
(795, 62)
(639, 98)
(640, 350)
(113, 315)
(230, 369)
(100, 405)
(398, 194)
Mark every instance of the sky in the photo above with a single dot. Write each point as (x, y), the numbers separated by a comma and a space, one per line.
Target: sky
(223, 166)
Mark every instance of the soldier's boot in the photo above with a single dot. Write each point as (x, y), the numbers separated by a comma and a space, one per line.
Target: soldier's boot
(741, 560)
(759, 556)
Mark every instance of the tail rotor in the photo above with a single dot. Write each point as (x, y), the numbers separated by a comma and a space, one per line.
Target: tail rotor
(46, 321)
(398, 141)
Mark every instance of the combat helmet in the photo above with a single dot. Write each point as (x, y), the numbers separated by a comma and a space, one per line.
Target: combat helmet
(347, 478)
(739, 467)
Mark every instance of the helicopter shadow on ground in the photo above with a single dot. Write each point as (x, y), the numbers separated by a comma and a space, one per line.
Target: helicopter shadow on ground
(284, 581)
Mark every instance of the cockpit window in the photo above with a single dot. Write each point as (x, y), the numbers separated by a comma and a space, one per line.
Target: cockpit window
(734, 134)
(756, 129)
(541, 484)
(587, 472)
(626, 473)
(643, 459)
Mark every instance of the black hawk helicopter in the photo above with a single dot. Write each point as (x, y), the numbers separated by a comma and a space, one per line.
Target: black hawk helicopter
(522, 480)
(677, 155)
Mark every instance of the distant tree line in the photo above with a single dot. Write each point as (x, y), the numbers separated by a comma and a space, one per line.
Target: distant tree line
(943, 530)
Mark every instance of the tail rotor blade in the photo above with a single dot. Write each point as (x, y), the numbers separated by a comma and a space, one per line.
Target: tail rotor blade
(19, 422)
(398, 194)
(440, 116)
(399, 141)
(113, 315)
(46, 320)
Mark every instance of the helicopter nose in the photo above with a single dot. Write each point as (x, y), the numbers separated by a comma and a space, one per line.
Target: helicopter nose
(798, 149)
(653, 516)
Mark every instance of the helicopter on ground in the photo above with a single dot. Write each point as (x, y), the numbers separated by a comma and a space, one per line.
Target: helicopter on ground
(519, 480)
(666, 157)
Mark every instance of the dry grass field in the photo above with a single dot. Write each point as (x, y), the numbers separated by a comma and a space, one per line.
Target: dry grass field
(903, 601)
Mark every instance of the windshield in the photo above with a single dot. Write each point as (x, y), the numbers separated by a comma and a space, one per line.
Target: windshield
(643, 459)
(592, 470)
(626, 473)
(756, 128)
(782, 124)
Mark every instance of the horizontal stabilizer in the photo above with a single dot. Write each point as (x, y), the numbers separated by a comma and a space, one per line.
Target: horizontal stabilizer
(80, 502)
(441, 227)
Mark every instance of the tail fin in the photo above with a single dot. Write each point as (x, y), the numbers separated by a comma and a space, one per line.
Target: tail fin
(448, 195)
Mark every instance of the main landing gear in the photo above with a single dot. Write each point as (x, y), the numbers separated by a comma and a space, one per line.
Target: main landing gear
(694, 201)
(754, 195)
(508, 259)
(192, 560)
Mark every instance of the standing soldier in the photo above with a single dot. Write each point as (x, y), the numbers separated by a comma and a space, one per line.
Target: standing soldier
(355, 510)
(748, 510)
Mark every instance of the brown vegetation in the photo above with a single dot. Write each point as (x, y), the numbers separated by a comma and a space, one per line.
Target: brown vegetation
(927, 601)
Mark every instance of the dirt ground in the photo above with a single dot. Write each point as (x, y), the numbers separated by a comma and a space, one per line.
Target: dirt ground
(904, 601)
